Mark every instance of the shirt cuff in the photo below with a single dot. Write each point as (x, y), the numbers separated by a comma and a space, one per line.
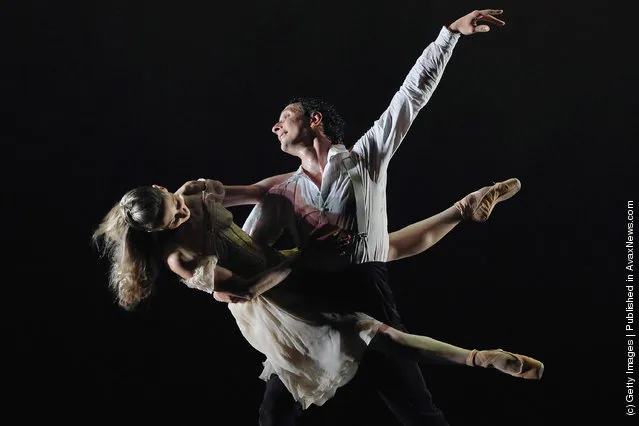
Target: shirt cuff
(447, 38)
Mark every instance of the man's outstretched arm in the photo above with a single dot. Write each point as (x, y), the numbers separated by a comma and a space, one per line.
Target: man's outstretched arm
(236, 195)
(381, 141)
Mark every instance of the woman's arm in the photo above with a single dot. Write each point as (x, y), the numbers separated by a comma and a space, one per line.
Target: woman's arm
(210, 277)
(175, 264)
(198, 274)
(228, 282)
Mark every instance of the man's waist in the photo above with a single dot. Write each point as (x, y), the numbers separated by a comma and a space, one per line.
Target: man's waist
(337, 262)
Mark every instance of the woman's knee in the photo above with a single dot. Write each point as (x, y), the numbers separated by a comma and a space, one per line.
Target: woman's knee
(390, 342)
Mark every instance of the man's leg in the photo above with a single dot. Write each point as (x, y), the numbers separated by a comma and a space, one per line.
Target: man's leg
(400, 384)
(278, 406)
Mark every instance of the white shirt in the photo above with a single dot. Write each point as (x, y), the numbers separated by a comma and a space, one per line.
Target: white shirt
(300, 206)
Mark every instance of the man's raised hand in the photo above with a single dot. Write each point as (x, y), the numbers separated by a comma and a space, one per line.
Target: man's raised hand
(476, 22)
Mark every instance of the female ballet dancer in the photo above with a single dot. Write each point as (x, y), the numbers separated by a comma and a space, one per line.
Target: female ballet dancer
(314, 353)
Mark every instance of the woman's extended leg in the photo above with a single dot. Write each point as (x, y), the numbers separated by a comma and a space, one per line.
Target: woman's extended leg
(476, 206)
(398, 343)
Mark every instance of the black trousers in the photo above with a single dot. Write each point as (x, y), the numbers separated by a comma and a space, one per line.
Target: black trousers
(398, 382)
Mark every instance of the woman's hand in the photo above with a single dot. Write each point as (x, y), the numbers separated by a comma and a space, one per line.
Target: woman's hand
(221, 296)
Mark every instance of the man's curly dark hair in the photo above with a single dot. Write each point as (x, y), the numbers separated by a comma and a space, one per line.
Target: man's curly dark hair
(333, 123)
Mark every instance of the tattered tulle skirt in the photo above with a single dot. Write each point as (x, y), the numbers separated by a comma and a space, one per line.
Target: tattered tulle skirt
(312, 357)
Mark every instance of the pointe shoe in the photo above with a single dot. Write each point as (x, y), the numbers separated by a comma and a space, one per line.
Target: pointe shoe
(514, 364)
(478, 205)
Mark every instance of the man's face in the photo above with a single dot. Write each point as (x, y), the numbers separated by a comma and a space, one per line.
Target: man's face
(292, 129)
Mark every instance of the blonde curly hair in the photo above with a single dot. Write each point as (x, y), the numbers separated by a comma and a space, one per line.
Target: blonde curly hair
(125, 237)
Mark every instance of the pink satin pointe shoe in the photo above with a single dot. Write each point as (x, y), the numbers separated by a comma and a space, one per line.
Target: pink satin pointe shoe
(478, 205)
(514, 364)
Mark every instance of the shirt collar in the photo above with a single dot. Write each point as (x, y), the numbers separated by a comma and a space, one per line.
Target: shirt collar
(338, 148)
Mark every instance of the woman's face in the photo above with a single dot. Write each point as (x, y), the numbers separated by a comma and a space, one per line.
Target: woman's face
(175, 211)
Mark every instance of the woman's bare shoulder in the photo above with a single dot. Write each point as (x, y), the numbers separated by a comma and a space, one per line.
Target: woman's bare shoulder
(182, 251)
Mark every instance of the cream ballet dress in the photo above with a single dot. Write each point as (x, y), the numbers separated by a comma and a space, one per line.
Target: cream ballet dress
(313, 353)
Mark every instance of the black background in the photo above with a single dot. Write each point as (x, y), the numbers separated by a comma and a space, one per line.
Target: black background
(104, 96)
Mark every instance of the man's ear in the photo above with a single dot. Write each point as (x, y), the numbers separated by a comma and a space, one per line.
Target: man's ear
(316, 119)
(160, 187)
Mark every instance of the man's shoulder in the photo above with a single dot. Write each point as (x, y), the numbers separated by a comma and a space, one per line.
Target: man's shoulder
(286, 184)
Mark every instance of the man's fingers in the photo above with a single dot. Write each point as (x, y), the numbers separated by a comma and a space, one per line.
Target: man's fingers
(481, 29)
(491, 19)
(191, 186)
(491, 11)
(196, 185)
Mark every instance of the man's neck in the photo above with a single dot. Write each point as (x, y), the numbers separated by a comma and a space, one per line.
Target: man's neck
(315, 157)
